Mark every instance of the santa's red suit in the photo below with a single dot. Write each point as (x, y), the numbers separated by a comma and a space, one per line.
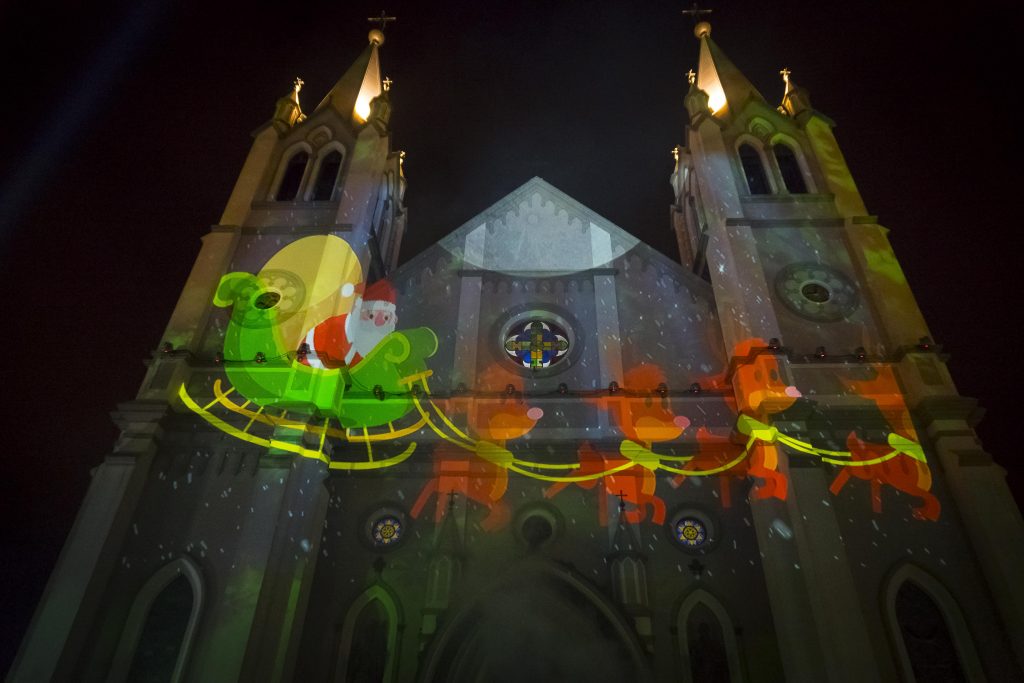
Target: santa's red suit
(342, 341)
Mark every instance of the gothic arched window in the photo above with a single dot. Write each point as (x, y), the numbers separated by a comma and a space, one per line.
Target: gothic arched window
(789, 167)
(707, 641)
(369, 639)
(327, 177)
(161, 626)
(930, 646)
(753, 170)
(928, 630)
(292, 178)
(163, 633)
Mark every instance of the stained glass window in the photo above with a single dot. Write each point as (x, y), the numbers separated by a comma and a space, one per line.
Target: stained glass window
(387, 530)
(536, 344)
(691, 532)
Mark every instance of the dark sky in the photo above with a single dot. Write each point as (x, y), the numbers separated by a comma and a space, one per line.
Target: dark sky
(125, 127)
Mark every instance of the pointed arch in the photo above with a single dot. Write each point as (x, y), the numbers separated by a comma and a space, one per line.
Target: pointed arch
(792, 164)
(374, 603)
(153, 602)
(754, 166)
(291, 173)
(910, 577)
(458, 651)
(697, 601)
(326, 173)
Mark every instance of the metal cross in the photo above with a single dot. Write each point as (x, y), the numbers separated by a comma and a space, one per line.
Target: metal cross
(621, 495)
(785, 74)
(386, 83)
(691, 76)
(383, 20)
(695, 12)
(298, 83)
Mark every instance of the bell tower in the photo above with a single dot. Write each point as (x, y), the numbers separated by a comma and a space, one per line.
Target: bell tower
(766, 210)
(176, 524)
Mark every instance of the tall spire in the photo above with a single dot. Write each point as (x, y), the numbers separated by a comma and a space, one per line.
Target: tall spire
(719, 77)
(352, 94)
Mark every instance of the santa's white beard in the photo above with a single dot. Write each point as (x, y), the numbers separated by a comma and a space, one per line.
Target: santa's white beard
(365, 335)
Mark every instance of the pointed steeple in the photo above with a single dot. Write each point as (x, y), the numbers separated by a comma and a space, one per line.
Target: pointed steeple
(718, 76)
(352, 94)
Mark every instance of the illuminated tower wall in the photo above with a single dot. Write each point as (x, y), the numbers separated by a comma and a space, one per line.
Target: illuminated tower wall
(540, 449)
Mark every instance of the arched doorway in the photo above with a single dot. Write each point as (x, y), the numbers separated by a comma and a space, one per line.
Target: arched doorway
(538, 623)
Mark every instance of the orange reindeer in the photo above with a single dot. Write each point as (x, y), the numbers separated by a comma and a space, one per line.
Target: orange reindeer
(759, 390)
(643, 421)
(903, 471)
(484, 478)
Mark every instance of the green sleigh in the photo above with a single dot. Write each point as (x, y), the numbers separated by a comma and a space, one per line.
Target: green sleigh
(264, 367)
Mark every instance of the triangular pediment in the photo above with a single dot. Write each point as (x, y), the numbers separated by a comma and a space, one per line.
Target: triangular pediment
(537, 228)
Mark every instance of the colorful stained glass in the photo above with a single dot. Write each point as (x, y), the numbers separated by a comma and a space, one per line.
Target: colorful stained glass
(691, 532)
(387, 530)
(535, 344)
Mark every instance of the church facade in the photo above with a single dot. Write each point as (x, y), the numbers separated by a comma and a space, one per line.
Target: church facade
(541, 449)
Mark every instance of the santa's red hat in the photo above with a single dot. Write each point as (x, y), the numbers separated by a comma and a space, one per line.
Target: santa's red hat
(382, 292)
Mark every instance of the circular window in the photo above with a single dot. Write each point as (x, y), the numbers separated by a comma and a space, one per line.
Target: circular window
(385, 528)
(691, 530)
(536, 344)
(537, 525)
(817, 292)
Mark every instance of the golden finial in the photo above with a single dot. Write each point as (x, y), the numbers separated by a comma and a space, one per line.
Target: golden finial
(297, 84)
(377, 34)
(386, 84)
(691, 76)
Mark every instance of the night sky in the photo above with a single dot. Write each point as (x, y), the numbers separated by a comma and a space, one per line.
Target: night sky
(126, 126)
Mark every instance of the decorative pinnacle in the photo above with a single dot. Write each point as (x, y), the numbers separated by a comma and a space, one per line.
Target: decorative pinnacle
(386, 84)
(785, 79)
(297, 84)
(691, 76)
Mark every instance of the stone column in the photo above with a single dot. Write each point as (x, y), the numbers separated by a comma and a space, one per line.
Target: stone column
(294, 541)
(67, 610)
(985, 503)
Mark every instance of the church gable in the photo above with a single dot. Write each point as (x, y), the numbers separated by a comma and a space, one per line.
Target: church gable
(538, 228)
(539, 254)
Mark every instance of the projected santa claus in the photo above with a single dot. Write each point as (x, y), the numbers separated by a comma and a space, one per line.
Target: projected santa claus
(344, 340)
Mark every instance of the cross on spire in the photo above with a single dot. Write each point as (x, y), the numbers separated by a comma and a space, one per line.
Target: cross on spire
(298, 83)
(691, 76)
(386, 84)
(695, 12)
(621, 495)
(383, 20)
